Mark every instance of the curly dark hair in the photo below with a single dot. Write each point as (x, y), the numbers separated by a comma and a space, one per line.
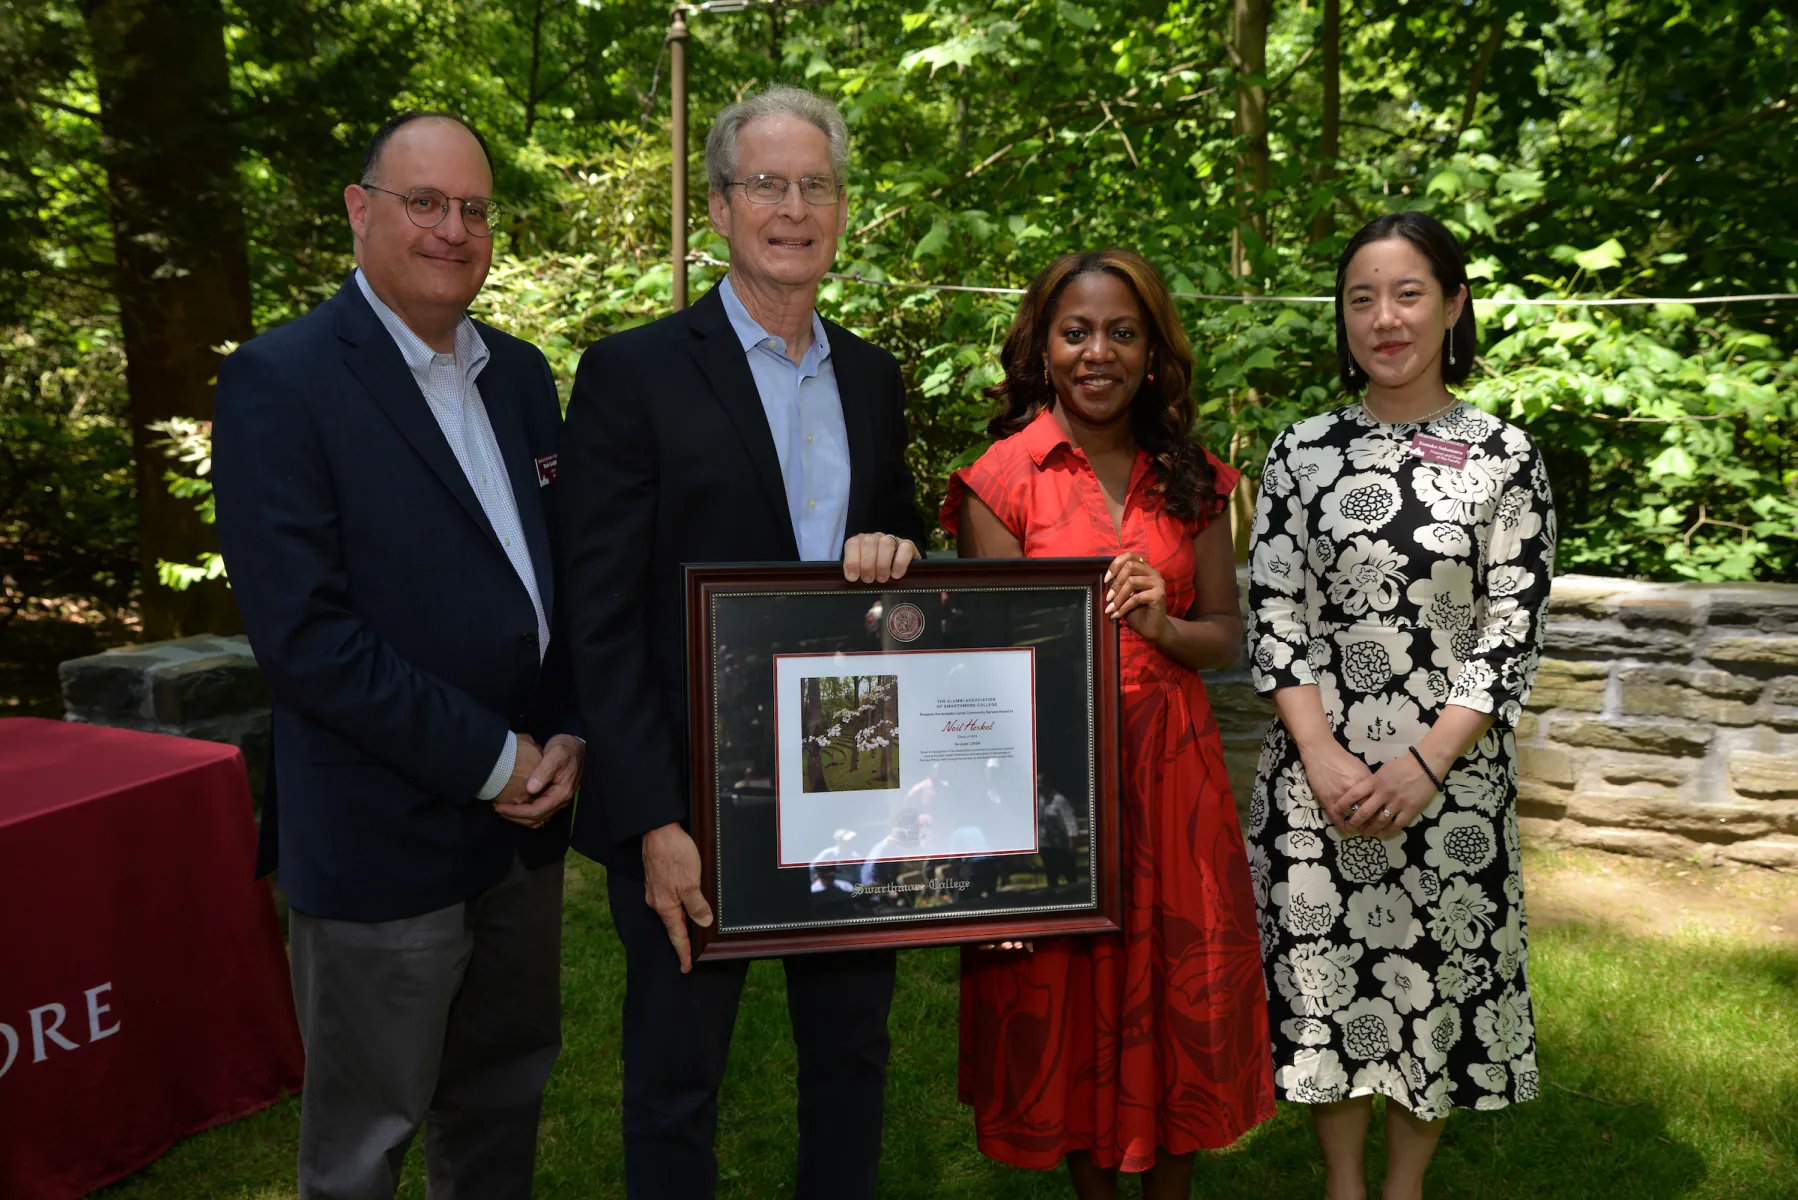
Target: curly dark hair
(1183, 474)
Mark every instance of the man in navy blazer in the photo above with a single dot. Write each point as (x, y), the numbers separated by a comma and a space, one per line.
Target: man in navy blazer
(384, 471)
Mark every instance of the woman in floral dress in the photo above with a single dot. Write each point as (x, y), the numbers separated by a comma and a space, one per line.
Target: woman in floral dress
(1402, 552)
(1133, 1051)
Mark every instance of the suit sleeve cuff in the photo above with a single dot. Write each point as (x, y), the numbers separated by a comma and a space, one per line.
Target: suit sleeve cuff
(502, 769)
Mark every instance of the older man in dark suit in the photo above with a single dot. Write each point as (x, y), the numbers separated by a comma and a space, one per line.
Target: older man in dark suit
(383, 470)
(746, 428)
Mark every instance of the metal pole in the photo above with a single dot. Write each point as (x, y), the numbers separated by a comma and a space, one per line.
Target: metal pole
(677, 57)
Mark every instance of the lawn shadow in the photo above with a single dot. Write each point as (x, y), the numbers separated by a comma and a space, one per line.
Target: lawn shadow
(1669, 1067)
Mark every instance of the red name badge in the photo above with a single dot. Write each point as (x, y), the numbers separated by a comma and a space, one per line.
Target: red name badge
(546, 470)
(1440, 451)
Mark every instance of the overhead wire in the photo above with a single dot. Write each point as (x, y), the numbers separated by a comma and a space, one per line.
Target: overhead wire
(701, 258)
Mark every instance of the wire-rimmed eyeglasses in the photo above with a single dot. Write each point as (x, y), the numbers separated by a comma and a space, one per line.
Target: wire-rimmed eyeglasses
(816, 190)
(427, 207)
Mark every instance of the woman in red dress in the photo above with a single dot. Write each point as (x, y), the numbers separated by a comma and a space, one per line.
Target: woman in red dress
(1132, 1051)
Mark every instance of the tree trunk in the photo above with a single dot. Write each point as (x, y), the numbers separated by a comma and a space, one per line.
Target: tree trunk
(855, 702)
(1248, 52)
(183, 267)
(816, 721)
(1329, 143)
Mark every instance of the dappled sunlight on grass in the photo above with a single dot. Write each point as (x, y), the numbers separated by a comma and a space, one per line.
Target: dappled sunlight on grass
(1670, 1070)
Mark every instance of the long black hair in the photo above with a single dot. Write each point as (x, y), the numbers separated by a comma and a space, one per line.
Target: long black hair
(1447, 264)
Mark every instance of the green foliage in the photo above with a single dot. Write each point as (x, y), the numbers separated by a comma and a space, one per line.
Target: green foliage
(189, 443)
(67, 518)
(1668, 435)
(1605, 149)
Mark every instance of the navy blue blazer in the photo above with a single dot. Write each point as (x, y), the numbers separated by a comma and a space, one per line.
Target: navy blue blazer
(399, 642)
(669, 460)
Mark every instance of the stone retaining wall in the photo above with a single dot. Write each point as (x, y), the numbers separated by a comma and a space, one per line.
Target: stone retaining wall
(201, 687)
(1664, 722)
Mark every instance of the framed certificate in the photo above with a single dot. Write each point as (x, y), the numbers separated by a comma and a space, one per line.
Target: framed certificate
(926, 762)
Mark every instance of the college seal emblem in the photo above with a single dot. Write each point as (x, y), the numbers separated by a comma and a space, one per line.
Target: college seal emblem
(905, 622)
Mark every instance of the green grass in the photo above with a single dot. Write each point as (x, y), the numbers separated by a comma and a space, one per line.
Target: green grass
(867, 774)
(1670, 1069)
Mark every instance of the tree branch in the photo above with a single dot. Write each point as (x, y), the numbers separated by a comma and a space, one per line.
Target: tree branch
(72, 109)
(990, 159)
(1494, 39)
(1273, 89)
(1120, 128)
(1779, 108)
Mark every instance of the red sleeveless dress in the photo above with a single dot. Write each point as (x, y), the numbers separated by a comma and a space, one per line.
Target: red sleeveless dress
(1158, 1036)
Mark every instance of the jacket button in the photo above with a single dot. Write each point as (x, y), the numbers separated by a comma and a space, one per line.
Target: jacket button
(529, 639)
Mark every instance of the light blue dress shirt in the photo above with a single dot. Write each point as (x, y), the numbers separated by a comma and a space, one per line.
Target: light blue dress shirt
(448, 382)
(805, 415)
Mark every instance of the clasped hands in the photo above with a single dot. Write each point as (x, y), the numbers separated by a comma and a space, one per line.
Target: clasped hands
(543, 779)
(1362, 802)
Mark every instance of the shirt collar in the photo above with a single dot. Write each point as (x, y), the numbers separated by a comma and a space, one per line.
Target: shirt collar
(471, 351)
(751, 334)
(1042, 435)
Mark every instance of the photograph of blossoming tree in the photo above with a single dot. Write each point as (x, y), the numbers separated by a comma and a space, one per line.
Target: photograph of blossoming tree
(851, 734)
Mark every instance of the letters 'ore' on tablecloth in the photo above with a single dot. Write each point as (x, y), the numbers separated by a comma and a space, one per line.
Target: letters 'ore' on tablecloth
(144, 989)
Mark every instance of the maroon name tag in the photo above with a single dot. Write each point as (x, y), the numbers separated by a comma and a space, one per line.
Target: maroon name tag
(546, 469)
(1440, 451)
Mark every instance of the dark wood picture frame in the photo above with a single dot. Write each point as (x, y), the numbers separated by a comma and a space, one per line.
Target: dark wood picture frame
(705, 583)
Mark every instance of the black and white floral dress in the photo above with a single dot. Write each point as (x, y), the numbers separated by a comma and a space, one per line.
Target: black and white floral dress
(1397, 585)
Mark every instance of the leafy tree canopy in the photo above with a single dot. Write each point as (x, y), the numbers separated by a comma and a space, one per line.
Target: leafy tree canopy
(1601, 149)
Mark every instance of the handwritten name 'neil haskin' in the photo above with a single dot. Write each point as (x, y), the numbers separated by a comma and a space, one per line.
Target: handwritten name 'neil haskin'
(967, 725)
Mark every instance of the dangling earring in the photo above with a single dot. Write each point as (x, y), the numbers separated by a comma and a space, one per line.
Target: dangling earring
(1151, 370)
(1351, 368)
(1451, 347)
(1046, 382)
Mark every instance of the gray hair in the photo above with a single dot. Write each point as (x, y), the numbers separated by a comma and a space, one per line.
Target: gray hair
(776, 100)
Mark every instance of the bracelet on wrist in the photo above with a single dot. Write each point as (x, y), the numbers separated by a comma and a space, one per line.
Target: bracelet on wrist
(1418, 755)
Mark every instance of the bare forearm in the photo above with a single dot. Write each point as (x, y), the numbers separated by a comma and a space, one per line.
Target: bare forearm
(1301, 710)
(1455, 732)
(1204, 643)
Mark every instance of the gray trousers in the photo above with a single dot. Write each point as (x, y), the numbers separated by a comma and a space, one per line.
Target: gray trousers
(450, 1020)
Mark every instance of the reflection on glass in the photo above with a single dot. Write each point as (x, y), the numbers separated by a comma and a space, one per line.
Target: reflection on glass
(890, 833)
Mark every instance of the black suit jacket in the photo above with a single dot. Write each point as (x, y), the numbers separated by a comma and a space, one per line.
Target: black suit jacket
(668, 459)
(399, 642)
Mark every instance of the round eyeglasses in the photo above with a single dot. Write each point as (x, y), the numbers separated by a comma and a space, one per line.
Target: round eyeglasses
(816, 190)
(427, 207)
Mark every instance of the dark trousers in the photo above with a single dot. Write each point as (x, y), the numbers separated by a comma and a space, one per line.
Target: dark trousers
(677, 1037)
(450, 1020)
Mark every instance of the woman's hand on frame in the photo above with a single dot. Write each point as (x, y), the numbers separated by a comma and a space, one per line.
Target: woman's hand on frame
(1137, 595)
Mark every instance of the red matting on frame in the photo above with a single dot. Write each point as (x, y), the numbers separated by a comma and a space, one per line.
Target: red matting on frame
(144, 990)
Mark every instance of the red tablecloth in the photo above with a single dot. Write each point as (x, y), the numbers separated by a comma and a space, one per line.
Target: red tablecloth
(144, 990)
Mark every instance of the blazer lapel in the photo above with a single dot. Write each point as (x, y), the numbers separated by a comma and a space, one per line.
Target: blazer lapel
(376, 362)
(720, 358)
(856, 386)
(501, 400)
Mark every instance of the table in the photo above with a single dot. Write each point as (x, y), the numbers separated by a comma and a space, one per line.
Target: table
(144, 991)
